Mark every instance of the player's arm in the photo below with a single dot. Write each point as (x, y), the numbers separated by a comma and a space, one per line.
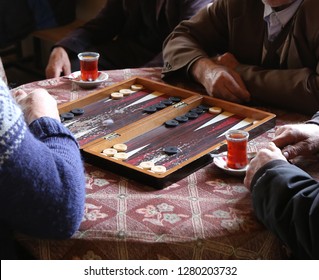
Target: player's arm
(285, 200)
(197, 36)
(298, 139)
(219, 81)
(59, 63)
(41, 172)
(285, 88)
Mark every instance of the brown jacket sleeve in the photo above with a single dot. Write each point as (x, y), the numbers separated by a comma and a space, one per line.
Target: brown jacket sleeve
(238, 27)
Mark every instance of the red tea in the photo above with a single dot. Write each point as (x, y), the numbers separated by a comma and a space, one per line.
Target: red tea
(89, 70)
(89, 66)
(237, 149)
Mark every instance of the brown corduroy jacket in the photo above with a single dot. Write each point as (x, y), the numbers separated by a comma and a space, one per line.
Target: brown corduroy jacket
(238, 27)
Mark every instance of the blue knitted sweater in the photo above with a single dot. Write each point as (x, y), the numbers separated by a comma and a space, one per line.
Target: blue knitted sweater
(41, 177)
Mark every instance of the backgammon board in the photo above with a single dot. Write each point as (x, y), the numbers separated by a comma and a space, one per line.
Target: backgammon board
(153, 132)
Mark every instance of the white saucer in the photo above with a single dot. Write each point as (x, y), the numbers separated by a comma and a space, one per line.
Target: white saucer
(76, 78)
(221, 162)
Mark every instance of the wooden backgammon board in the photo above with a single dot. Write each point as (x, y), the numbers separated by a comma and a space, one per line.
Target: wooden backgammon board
(160, 133)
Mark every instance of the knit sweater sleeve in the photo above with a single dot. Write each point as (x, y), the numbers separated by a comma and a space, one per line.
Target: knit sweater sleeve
(41, 174)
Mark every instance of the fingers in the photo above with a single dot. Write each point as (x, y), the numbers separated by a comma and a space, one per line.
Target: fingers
(297, 140)
(302, 148)
(272, 147)
(227, 84)
(265, 155)
(283, 136)
(58, 63)
(38, 103)
(67, 69)
(51, 72)
(237, 88)
(19, 95)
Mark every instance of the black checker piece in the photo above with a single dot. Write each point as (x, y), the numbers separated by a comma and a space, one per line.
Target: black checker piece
(167, 102)
(77, 111)
(160, 106)
(171, 150)
(197, 110)
(172, 123)
(67, 116)
(150, 109)
(181, 119)
(204, 107)
(192, 115)
(175, 99)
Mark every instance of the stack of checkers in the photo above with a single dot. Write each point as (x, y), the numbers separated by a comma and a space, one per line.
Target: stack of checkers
(70, 115)
(162, 105)
(192, 115)
(125, 92)
(149, 165)
(118, 151)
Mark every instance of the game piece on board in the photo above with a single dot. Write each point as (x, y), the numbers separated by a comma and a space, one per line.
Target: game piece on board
(172, 123)
(77, 111)
(116, 95)
(158, 169)
(109, 152)
(181, 119)
(160, 106)
(120, 147)
(215, 110)
(191, 115)
(137, 87)
(121, 155)
(146, 164)
(204, 107)
(175, 99)
(150, 109)
(197, 110)
(170, 150)
(167, 102)
(126, 91)
(67, 116)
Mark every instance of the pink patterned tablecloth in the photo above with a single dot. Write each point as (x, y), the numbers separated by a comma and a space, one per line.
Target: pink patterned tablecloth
(207, 215)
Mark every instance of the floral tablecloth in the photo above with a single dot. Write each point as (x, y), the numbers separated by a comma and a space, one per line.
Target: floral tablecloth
(207, 215)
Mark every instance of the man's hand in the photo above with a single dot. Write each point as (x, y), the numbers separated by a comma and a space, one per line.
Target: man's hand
(263, 156)
(38, 103)
(227, 60)
(220, 81)
(59, 63)
(297, 140)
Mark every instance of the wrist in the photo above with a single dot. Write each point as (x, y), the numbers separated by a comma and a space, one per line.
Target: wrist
(200, 69)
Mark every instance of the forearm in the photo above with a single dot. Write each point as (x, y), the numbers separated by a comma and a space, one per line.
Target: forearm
(43, 190)
(285, 199)
(201, 68)
(283, 88)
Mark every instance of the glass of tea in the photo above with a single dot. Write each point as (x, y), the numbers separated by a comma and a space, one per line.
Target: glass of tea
(237, 148)
(89, 65)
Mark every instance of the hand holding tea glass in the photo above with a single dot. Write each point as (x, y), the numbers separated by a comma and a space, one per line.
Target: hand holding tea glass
(89, 66)
(265, 155)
